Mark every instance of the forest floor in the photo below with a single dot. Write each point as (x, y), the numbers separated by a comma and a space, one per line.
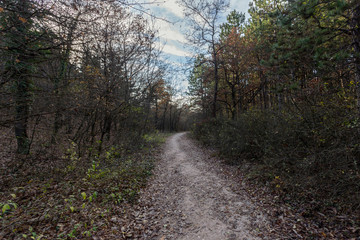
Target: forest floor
(191, 194)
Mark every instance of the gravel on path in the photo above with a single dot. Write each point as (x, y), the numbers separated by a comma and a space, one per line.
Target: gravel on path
(190, 200)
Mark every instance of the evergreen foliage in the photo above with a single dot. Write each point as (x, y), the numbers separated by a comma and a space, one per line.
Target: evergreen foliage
(288, 102)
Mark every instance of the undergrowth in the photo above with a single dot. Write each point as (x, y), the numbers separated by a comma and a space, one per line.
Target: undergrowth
(311, 160)
(74, 197)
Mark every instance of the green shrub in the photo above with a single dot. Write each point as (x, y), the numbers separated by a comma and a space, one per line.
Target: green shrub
(315, 152)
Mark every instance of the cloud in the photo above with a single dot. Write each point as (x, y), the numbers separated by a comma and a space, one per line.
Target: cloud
(170, 49)
(168, 20)
(170, 31)
(173, 7)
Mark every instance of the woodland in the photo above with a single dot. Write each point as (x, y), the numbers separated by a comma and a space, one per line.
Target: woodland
(83, 98)
(85, 104)
(279, 97)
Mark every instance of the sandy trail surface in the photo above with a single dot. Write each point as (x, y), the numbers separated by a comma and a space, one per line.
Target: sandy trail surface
(191, 200)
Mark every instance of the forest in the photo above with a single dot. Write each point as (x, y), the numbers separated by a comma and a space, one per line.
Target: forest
(279, 96)
(86, 102)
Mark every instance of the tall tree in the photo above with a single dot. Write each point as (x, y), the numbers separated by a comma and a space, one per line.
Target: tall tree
(204, 17)
(22, 44)
(199, 87)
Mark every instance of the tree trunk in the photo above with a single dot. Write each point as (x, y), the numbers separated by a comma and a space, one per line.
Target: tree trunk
(156, 113)
(22, 113)
(266, 97)
(234, 107)
(216, 83)
(19, 66)
(355, 30)
(170, 122)
(164, 117)
(61, 82)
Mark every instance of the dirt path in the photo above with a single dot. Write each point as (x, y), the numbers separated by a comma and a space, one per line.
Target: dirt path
(192, 201)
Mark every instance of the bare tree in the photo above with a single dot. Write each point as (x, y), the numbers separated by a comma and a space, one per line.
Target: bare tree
(90, 66)
(203, 17)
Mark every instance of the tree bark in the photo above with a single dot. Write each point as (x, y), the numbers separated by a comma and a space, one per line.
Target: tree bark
(355, 32)
(216, 83)
(21, 75)
(22, 113)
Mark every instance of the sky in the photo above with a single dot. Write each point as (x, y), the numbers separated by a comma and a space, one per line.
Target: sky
(171, 32)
